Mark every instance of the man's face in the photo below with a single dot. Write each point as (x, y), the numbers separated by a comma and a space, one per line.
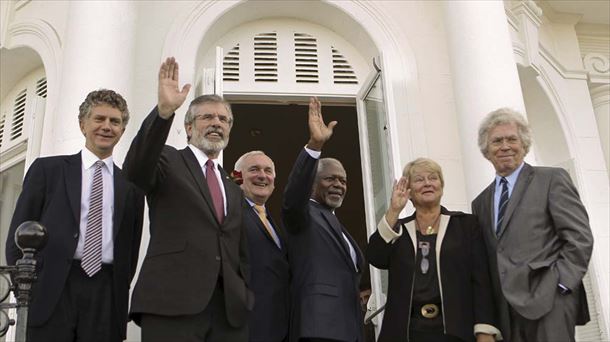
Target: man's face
(331, 185)
(210, 128)
(505, 148)
(258, 176)
(103, 128)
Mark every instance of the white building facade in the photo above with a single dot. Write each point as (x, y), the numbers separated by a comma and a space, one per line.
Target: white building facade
(418, 77)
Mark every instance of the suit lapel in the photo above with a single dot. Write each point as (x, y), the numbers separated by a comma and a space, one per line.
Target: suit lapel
(259, 224)
(120, 195)
(233, 193)
(198, 178)
(74, 181)
(524, 179)
(334, 228)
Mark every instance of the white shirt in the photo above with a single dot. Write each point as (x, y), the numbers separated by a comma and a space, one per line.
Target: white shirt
(87, 169)
(202, 159)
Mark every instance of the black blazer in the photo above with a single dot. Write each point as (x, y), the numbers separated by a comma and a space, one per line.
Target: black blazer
(325, 284)
(464, 277)
(187, 245)
(270, 280)
(51, 195)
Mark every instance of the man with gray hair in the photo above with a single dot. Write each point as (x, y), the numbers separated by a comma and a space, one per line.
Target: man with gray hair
(325, 261)
(193, 282)
(270, 273)
(537, 234)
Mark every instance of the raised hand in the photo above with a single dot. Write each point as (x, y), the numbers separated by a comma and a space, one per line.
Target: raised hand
(170, 95)
(400, 196)
(319, 132)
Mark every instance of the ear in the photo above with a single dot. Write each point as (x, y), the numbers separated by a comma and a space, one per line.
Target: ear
(189, 130)
(81, 124)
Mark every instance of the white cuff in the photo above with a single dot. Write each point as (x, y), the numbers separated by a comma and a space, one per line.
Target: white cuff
(312, 153)
(488, 329)
(387, 233)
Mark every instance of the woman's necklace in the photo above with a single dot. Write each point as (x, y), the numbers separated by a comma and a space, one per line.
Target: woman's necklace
(431, 229)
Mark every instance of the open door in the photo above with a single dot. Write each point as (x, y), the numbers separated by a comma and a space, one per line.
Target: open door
(211, 82)
(377, 175)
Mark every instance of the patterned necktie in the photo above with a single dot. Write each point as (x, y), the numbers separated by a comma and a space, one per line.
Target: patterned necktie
(262, 214)
(92, 253)
(503, 204)
(215, 191)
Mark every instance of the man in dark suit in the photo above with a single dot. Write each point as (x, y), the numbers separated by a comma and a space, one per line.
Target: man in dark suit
(94, 221)
(325, 261)
(537, 234)
(270, 274)
(192, 285)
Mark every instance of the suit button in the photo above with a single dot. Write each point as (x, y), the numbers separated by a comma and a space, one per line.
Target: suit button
(218, 258)
(76, 235)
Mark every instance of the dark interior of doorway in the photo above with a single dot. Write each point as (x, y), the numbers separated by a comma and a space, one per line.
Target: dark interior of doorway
(281, 132)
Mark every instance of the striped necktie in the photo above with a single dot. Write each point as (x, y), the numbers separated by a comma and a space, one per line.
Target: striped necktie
(503, 204)
(92, 253)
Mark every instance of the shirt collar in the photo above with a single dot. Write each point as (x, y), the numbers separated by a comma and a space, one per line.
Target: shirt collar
(252, 204)
(201, 157)
(512, 178)
(88, 159)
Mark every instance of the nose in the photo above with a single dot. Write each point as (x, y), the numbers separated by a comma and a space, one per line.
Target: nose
(106, 125)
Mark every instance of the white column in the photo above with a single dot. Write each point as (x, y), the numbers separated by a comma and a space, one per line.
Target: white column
(98, 53)
(484, 75)
(600, 96)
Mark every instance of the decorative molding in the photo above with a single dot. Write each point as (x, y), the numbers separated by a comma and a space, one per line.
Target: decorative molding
(600, 95)
(20, 3)
(529, 17)
(598, 68)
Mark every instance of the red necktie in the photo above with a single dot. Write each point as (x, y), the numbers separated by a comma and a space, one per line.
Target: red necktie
(215, 191)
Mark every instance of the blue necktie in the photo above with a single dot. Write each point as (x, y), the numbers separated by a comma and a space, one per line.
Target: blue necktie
(503, 204)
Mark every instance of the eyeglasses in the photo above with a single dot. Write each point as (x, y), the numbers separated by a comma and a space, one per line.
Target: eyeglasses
(425, 250)
(209, 117)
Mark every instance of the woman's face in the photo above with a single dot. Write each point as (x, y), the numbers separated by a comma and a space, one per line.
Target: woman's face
(426, 188)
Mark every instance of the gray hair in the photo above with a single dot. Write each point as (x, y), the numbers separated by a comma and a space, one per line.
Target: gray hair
(324, 162)
(504, 116)
(239, 163)
(203, 99)
(104, 97)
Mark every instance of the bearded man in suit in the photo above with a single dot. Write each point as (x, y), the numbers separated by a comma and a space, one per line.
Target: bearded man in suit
(537, 234)
(193, 282)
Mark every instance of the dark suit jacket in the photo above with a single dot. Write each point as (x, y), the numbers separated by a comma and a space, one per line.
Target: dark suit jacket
(270, 280)
(51, 195)
(463, 276)
(189, 249)
(545, 239)
(325, 284)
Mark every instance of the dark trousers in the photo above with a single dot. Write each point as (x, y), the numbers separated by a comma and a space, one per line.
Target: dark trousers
(210, 325)
(85, 311)
(421, 336)
(558, 325)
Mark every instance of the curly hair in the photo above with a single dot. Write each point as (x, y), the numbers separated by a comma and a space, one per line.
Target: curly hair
(107, 97)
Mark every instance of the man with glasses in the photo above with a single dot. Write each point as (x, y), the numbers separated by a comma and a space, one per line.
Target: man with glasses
(325, 261)
(192, 285)
(537, 234)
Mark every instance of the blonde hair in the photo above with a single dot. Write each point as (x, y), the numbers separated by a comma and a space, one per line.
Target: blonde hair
(425, 164)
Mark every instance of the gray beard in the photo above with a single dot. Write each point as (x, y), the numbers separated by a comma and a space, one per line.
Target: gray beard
(209, 147)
